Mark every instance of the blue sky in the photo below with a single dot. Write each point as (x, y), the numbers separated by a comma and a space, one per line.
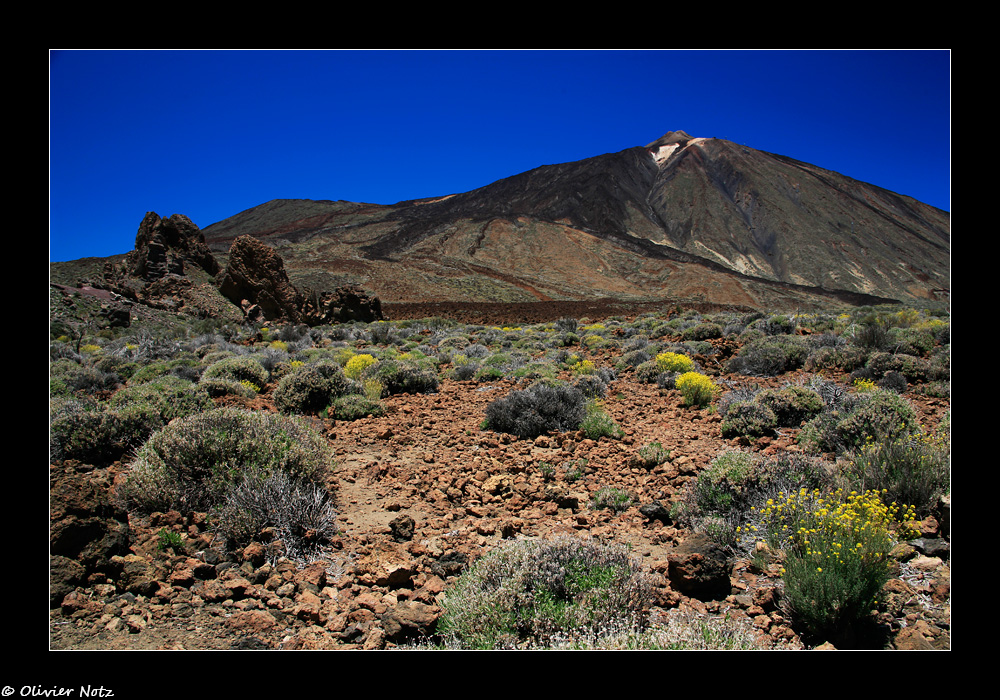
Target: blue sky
(209, 134)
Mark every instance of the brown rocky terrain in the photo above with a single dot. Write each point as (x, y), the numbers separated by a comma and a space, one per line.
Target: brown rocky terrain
(421, 493)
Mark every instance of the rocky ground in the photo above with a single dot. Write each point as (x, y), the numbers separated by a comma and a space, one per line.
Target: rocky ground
(421, 492)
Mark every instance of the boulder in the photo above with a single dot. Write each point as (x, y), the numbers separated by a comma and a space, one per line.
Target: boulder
(255, 276)
(699, 568)
(85, 526)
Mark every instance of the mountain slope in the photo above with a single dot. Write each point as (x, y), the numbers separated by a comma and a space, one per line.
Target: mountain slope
(681, 218)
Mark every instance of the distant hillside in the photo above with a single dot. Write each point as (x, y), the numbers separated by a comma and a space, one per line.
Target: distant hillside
(684, 218)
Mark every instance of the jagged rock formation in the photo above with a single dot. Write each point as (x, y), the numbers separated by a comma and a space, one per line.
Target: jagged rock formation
(163, 246)
(340, 306)
(255, 280)
(683, 218)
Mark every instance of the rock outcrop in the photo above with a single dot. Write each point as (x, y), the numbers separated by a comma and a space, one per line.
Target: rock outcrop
(255, 280)
(165, 246)
(339, 306)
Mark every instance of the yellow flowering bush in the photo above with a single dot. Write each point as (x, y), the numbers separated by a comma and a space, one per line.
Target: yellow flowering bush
(696, 388)
(864, 385)
(584, 367)
(674, 362)
(837, 554)
(358, 364)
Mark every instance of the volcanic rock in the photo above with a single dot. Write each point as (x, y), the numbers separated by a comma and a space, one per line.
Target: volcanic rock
(256, 275)
(163, 246)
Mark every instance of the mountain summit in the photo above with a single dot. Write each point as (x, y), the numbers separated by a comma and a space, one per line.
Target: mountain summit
(683, 218)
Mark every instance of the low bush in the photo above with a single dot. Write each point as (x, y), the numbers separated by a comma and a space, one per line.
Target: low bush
(652, 455)
(674, 362)
(238, 369)
(591, 385)
(193, 462)
(702, 331)
(750, 419)
(312, 387)
(527, 593)
(857, 419)
(873, 333)
(914, 369)
(914, 470)
(726, 498)
(171, 396)
(791, 404)
(100, 435)
(697, 389)
(537, 410)
(613, 499)
(846, 358)
(598, 423)
(399, 376)
(836, 557)
(353, 407)
(301, 513)
(769, 356)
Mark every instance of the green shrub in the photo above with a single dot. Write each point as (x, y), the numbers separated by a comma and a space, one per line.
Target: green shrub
(719, 486)
(591, 385)
(76, 377)
(858, 419)
(836, 558)
(193, 462)
(914, 470)
(598, 423)
(750, 419)
(463, 368)
(769, 356)
(845, 358)
(311, 388)
(697, 389)
(649, 372)
(914, 369)
(652, 455)
(219, 386)
(873, 334)
(613, 499)
(791, 404)
(98, 435)
(537, 410)
(528, 593)
(726, 498)
(171, 396)
(354, 406)
(238, 369)
(702, 331)
(401, 376)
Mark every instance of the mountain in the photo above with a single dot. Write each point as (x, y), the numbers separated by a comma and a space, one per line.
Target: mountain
(682, 218)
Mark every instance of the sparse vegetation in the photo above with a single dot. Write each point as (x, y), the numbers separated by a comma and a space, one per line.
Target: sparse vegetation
(528, 593)
(226, 438)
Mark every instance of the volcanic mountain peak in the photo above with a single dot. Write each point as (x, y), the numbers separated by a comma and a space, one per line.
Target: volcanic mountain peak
(671, 137)
(683, 217)
(671, 142)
